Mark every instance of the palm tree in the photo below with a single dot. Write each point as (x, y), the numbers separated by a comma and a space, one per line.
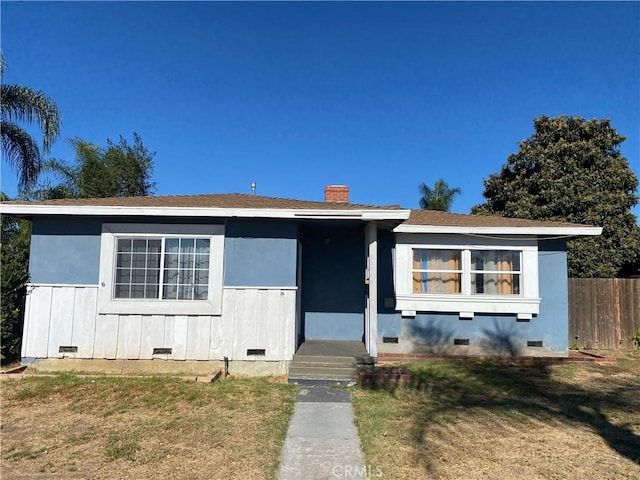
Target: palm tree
(438, 198)
(20, 150)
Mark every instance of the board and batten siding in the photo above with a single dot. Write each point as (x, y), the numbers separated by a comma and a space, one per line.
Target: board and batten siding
(66, 315)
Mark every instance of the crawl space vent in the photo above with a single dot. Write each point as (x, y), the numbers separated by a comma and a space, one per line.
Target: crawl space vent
(162, 351)
(255, 351)
(461, 341)
(389, 339)
(534, 343)
(67, 349)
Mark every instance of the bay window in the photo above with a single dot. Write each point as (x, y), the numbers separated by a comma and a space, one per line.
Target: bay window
(457, 274)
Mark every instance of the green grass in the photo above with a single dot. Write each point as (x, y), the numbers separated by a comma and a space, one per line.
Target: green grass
(130, 426)
(452, 412)
(25, 452)
(119, 446)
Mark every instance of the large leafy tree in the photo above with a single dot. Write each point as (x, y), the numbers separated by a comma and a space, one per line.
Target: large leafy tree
(117, 170)
(20, 104)
(440, 197)
(571, 170)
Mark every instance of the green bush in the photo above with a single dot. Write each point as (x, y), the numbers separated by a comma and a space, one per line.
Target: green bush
(14, 265)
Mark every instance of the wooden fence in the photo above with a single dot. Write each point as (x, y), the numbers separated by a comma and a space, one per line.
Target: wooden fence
(604, 312)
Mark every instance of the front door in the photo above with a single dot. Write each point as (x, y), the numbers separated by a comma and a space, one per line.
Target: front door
(333, 283)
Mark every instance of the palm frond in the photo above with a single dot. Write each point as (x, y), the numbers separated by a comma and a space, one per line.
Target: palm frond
(60, 169)
(27, 105)
(21, 152)
(440, 197)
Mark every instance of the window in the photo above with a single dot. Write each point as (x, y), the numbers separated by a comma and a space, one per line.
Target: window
(491, 272)
(495, 272)
(137, 268)
(161, 269)
(167, 268)
(437, 271)
(465, 275)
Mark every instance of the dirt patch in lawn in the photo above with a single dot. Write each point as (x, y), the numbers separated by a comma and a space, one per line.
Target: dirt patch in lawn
(136, 428)
(479, 420)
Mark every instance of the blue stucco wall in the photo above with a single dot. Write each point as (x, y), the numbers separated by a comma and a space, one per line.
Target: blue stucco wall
(65, 250)
(553, 320)
(260, 253)
(389, 321)
(333, 290)
(494, 334)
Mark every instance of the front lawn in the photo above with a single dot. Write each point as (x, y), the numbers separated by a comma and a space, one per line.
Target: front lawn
(70, 426)
(479, 420)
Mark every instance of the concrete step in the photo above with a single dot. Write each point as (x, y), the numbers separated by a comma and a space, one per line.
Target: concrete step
(324, 359)
(322, 370)
(311, 381)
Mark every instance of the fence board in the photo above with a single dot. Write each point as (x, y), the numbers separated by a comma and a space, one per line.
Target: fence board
(604, 312)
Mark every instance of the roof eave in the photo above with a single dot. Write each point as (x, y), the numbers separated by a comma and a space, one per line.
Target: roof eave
(569, 231)
(109, 211)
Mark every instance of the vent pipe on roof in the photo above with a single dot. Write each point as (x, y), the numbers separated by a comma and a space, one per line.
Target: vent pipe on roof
(253, 188)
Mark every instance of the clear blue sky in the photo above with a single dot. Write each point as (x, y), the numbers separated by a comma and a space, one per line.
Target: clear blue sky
(296, 96)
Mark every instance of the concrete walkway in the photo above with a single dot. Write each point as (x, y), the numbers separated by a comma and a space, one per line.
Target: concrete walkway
(322, 439)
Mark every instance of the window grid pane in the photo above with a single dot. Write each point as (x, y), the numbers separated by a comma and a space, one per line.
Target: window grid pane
(437, 271)
(186, 269)
(137, 275)
(495, 272)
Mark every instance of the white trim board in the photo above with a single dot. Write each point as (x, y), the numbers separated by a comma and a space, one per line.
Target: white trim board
(115, 211)
(541, 230)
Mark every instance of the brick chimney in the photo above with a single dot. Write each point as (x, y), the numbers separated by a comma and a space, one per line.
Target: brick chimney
(336, 194)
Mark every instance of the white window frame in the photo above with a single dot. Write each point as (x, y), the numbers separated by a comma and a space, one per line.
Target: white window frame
(524, 305)
(108, 304)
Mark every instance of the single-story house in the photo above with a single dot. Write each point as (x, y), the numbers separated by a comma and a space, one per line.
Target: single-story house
(250, 278)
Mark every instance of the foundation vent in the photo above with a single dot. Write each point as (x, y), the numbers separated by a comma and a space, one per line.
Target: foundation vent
(162, 351)
(67, 349)
(255, 351)
(389, 339)
(534, 343)
(461, 341)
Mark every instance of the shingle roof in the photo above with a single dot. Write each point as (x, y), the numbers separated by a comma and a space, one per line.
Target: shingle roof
(437, 218)
(224, 200)
(246, 201)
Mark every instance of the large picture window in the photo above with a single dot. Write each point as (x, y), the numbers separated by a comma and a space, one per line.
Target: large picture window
(167, 268)
(161, 269)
